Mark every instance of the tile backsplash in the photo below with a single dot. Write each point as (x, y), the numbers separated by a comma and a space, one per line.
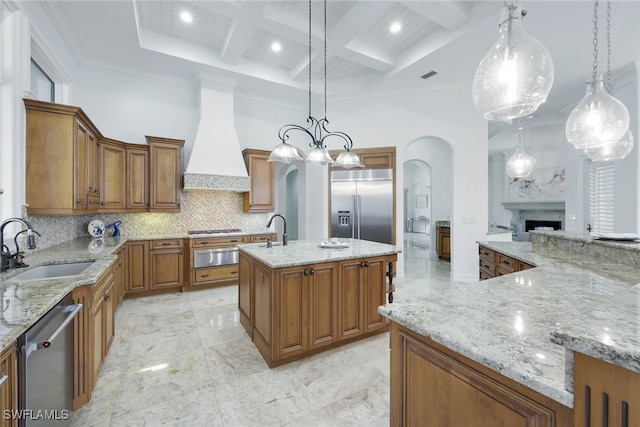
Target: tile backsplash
(201, 210)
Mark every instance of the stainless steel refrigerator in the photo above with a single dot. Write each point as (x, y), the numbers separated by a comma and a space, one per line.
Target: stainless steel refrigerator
(362, 204)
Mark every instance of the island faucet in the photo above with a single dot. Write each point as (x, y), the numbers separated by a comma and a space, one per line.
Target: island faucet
(31, 241)
(284, 235)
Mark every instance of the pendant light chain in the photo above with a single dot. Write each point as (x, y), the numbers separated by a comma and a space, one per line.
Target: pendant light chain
(595, 40)
(309, 65)
(325, 59)
(609, 46)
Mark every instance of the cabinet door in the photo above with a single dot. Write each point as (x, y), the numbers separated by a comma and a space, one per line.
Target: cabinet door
(245, 267)
(261, 198)
(97, 340)
(118, 273)
(138, 178)
(137, 266)
(8, 386)
(262, 304)
(166, 268)
(375, 288)
(93, 161)
(108, 331)
(80, 187)
(322, 303)
(165, 174)
(112, 176)
(290, 312)
(82, 344)
(349, 297)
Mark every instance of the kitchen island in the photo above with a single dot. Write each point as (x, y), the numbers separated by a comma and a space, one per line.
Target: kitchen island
(549, 345)
(301, 299)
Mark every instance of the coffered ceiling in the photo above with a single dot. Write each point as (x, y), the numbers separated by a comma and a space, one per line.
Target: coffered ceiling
(232, 40)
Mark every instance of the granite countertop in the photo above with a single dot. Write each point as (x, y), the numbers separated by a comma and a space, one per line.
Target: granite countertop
(303, 252)
(519, 324)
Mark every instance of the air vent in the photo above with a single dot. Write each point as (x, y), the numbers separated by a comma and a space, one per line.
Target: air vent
(429, 74)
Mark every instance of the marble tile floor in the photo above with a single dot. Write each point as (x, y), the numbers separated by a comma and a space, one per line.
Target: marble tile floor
(183, 359)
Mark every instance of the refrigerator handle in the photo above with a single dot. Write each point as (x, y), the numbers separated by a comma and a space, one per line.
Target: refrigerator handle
(359, 198)
(354, 217)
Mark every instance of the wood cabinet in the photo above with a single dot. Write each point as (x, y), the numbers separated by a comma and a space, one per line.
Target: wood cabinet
(137, 266)
(137, 178)
(257, 238)
(8, 386)
(361, 290)
(72, 169)
(213, 276)
(61, 160)
(261, 197)
(604, 394)
(166, 263)
(434, 386)
(93, 333)
(118, 277)
(296, 311)
(165, 160)
(372, 158)
(154, 265)
(443, 242)
(112, 176)
(494, 264)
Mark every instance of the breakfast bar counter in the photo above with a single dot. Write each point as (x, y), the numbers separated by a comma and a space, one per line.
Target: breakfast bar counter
(522, 338)
(310, 296)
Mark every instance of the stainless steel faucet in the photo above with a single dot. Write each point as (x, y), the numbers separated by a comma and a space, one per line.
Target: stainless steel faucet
(284, 235)
(6, 255)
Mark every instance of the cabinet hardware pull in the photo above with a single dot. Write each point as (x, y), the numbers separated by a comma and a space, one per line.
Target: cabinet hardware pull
(180, 252)
(106, 297)
(166, 244)
(233, 272)
(234, 240)
(366, 263)
(306, 272)
(204, 275)
(311, 271)
(204, 243)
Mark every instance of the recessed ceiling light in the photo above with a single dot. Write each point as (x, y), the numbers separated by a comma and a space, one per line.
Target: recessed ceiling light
(276, 47)
(186, 16)
(395, 27)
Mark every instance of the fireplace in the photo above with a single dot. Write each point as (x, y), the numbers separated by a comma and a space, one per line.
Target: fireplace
(532, 224)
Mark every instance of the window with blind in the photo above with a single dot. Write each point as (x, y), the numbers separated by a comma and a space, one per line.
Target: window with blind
(600, 204)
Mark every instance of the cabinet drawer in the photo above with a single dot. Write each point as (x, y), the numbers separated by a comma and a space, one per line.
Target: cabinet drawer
(502, 269)
(216, 241)
(166, 244)
(525, 266)
(206, 275)
(487, 254)
(485, 275)
(263, 237)
(99, 288)
(490, 267)
(506, 262)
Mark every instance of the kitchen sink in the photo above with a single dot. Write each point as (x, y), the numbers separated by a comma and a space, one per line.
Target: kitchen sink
(51, 271)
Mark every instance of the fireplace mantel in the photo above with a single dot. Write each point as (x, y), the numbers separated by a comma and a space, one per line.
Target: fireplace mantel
(534, 206)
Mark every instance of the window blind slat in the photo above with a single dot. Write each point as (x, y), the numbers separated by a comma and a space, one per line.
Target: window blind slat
(601, 197)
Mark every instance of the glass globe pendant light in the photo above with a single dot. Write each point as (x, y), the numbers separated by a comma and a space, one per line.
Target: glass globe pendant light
(516, 75)
(520, 164)
(599, 119)
(614, 150)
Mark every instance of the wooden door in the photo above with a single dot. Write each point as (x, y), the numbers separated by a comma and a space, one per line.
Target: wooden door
(8, 386)
(166, 268)
(374, 283)
(349, 297)
(80, 187)
(322, 282)
(291, 312)
(165, 174)
(138, 178)
(261, 198)
(113, 177)
(137, 266)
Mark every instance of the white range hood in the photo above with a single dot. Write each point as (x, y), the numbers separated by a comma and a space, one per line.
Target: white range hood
(216, 161)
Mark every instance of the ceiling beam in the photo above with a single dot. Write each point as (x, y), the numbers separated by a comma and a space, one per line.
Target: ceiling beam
(446, 13)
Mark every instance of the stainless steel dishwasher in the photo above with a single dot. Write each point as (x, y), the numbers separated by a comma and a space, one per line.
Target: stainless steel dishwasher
(45, 368)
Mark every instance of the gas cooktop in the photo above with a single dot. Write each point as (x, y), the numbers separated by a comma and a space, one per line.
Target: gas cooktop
(216, 231)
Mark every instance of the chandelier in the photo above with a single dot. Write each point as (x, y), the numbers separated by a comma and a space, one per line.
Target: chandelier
(317, 129)
(520, 164)
(516, 75)
(599, 119)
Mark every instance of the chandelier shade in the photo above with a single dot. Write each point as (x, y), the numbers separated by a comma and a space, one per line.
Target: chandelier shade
(516, 75)
(317, 129)
(598, 119)
(520, 164)
(614, 150)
